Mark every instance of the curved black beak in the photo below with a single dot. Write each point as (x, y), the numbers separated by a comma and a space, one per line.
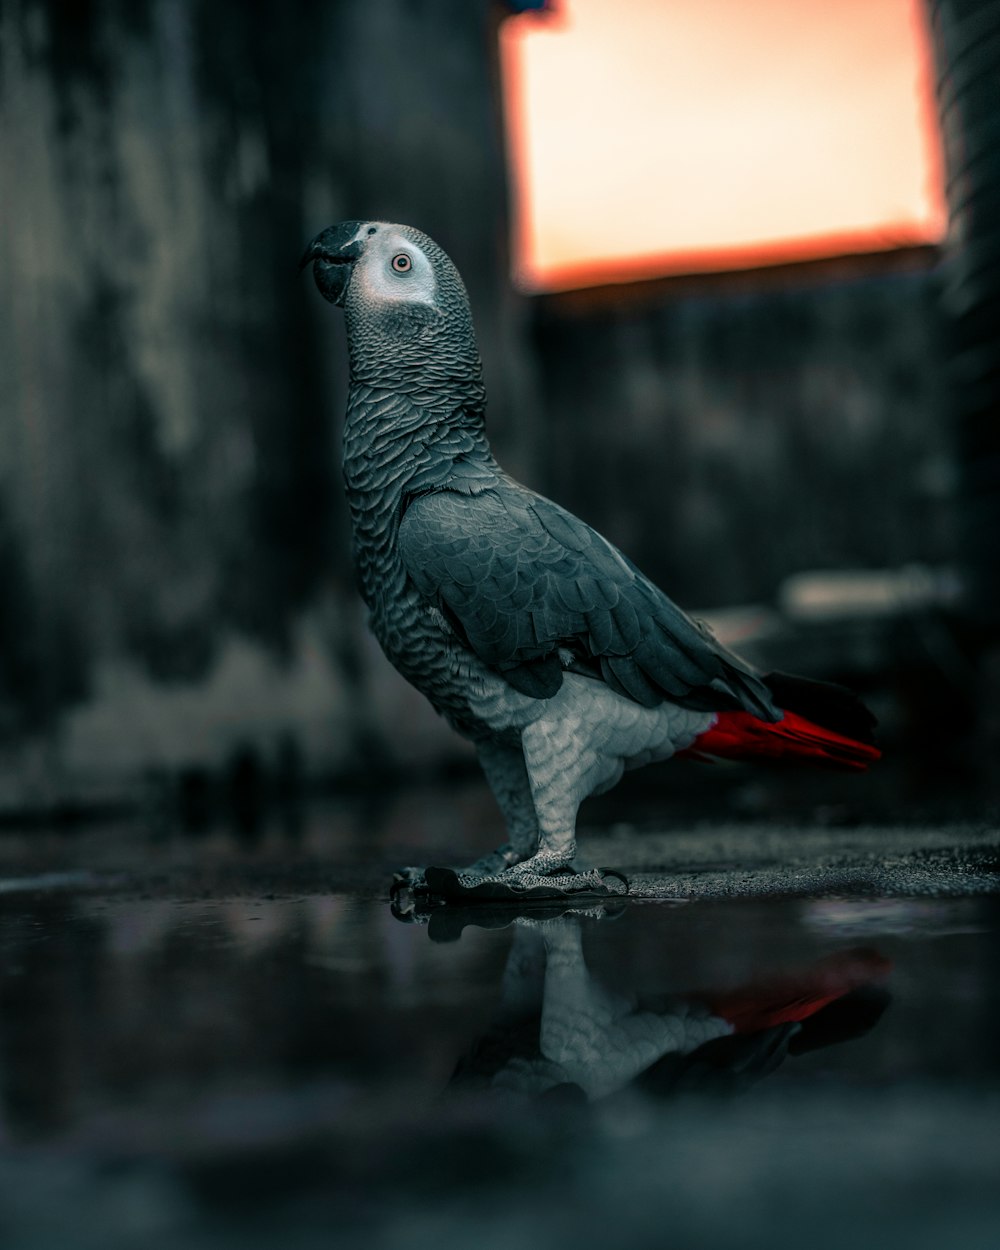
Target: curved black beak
(334, 252)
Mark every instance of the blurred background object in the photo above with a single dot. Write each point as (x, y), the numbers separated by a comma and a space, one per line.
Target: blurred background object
(793, 431)
(966, 38)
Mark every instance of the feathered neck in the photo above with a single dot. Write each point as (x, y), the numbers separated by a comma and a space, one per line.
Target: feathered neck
(395, 445)
(418, 352)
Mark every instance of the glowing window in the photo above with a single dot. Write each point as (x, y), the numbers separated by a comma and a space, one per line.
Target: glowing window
(650, 137)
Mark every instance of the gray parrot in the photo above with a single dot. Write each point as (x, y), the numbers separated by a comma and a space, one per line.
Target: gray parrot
(534, 636)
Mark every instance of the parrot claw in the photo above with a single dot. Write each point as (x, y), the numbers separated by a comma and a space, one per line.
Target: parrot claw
(450, 886)
(411, 879)
(447, 920)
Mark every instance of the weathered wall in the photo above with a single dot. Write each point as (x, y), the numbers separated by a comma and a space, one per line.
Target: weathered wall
(966, 40)
(171, 392)
(173, 541)
(730, 431)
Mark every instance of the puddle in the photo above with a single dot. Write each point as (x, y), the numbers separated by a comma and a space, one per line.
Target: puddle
(226, 1051)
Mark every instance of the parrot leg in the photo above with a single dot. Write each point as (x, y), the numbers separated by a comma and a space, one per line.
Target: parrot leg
(539, 789)
(507, 777)
(563, 767)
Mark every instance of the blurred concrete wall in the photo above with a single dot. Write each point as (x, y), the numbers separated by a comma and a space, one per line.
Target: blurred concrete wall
(176, 592)
(966, 39)
(729, 430)
(173, 547)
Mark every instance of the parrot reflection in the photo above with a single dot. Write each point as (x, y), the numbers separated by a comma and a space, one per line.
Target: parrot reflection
(559, 1031)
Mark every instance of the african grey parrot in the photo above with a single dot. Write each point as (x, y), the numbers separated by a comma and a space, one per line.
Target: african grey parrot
(527, 630)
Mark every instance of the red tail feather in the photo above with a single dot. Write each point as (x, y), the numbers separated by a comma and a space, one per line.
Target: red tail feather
(800, 995)
(738, 736)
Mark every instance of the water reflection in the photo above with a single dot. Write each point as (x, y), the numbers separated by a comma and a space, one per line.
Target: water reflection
(129, 1006)
(561, 1031)
(128, 1015)
(201, 1023)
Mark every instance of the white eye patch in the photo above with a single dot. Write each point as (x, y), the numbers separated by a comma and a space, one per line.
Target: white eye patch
(393, 269)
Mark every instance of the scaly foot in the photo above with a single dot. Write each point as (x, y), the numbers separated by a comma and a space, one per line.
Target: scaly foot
(513, 885)
(487, 867)
(499, 877)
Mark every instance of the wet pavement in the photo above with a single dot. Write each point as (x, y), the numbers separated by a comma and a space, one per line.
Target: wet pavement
(227, 1039)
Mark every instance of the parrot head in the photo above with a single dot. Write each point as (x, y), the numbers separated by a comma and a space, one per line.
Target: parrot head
(406, 305)
(377, 262)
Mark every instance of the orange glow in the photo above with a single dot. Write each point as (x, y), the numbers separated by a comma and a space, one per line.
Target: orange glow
(649, 137)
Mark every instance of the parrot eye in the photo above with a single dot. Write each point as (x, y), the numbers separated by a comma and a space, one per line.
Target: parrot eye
(402, 263)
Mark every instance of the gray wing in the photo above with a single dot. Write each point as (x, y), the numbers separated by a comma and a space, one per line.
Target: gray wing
(534, 591)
